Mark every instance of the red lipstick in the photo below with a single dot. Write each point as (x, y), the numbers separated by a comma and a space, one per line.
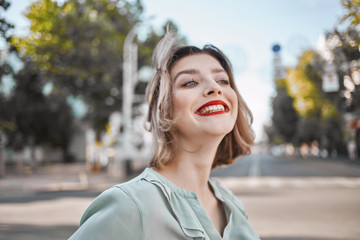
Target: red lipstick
(215, 102)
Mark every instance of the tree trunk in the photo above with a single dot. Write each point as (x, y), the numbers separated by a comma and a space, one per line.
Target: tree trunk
(33, 162)
(2, 163)
(20, 164)
(2, 156)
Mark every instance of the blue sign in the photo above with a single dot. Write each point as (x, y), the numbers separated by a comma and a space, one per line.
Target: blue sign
(276, 48)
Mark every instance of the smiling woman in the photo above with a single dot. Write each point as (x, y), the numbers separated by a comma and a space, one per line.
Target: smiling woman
(199, 121)
(187, 70)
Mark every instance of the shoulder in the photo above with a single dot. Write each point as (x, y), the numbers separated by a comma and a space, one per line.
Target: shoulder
(126, 197)
(113, 213)
(113, 201)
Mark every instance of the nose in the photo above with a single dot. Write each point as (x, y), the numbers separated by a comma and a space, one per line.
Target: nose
(212, 88)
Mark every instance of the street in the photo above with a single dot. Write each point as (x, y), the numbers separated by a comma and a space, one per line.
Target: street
(297, 198)
(265, 165)
(92, 91)
(286, 199)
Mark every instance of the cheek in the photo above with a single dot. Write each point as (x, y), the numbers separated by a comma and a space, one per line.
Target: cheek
(179, 104)
(234, 100)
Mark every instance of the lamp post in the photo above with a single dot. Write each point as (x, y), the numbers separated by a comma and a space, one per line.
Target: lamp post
(277, 65)
(130, 51)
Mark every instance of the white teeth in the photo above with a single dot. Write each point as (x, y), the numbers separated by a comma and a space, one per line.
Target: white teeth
(212, 108)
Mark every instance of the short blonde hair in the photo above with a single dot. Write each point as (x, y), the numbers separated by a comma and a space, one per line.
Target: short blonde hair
(160, 113)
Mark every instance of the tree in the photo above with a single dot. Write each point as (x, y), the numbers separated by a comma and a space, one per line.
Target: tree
(301, 110)
(352, 11)
(5, 69)
(78, 46)
(320, 113)
(33, 118)
(284, 116)
(5, 28)
(304, 85)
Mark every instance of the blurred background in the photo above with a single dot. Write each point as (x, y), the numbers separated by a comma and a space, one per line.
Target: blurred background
(73, 76)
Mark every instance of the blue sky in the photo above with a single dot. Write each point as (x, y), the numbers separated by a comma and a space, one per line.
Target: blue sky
(245, 30)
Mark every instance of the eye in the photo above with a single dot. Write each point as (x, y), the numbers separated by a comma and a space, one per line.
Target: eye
(223, 81)
(190, 83)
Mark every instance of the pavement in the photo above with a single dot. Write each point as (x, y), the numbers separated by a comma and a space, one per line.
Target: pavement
(49, 204)
(76, 177)
(56, 177)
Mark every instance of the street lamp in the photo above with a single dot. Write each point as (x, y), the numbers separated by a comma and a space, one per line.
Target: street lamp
(130, 51)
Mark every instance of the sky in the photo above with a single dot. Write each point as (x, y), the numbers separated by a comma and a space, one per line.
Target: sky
(245, 30)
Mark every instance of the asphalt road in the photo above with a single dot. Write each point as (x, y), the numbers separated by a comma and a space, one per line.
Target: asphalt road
(265, 165)
(286, 199)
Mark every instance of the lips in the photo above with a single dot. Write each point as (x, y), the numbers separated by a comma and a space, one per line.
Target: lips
(213, 108)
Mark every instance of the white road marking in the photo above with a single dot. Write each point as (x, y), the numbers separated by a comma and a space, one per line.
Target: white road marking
(255, 168)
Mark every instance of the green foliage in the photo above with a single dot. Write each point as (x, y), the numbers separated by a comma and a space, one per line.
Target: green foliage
(319, 113)
(5, 26)
(78, 45)
(77, 48)
(303, 84)
(273, 135)
(28, 115)
(334, 136)
(352, 8)
(352, 14)
(284, 117)
(309, 130)
(5, 69)
(280, 83)
(300, 107)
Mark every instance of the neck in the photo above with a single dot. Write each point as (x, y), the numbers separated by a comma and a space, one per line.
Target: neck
(191, 167)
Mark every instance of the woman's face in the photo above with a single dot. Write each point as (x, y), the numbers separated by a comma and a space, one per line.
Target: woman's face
(204, 102)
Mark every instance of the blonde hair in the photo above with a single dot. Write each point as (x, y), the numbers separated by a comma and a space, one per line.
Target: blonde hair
(160, 113)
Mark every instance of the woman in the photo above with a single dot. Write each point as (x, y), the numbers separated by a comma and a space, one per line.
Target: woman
(199, 121)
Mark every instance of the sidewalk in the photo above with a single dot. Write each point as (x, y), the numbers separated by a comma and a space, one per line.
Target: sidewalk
(75, 177)
(56, 177)
(50, 203)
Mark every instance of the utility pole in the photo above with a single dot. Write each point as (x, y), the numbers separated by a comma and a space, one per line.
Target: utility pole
(130, 51)
(278, 71)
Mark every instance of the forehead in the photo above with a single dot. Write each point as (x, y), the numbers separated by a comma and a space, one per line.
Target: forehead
(196, 61)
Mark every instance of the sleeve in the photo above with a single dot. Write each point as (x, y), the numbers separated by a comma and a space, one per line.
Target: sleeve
(114, 214)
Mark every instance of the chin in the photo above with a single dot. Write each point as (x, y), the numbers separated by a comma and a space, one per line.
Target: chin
(220, 128)
(219, 132)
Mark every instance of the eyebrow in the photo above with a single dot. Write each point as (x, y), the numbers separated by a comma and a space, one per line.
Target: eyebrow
(194, 71)
(217, 70)
(187, 71)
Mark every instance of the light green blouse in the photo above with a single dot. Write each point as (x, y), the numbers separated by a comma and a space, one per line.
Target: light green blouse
(151, 207)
